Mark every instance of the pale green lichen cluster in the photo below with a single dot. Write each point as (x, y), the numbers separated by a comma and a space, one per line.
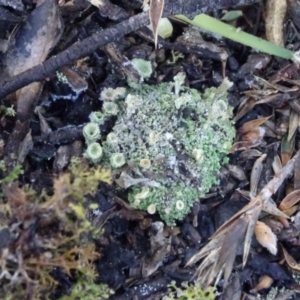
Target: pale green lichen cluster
(91, 133)
(173, 141)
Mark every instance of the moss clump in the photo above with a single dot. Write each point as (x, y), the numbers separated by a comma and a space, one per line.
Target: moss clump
(190, 292)
(88, 290)
(40, 233)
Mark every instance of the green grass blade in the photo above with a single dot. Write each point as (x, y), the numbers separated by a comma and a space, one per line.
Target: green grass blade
(230, 32)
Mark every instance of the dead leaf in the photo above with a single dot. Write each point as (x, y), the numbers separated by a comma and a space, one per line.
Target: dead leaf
(16, 197)
(62, 157)
(44, 126)
(271, 208)
(243, 145)
(290, 200)
(264, 283)
(247, 103)
(25, 147)
(290, 260)
(293, 124)
(266, 237)
(155, 13)
(237, 172)
(255, 175)
(287, 149)
(250, 153)
(254, 136)
(29, 47)
(276, 165)
(233, 290)
(248, 126)
(252, 217)
(160, 246)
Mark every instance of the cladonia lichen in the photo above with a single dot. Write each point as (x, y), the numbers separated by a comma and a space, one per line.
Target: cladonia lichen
(173, 140)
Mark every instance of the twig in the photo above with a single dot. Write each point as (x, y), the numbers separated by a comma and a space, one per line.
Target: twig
(83, 48)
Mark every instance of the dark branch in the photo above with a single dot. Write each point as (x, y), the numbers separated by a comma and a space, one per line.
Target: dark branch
(87, 46)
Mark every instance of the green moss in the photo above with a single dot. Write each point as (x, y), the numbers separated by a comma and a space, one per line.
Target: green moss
(8, 111)
(190, 292)
(88, 290)
(13, 174)
(41, 232)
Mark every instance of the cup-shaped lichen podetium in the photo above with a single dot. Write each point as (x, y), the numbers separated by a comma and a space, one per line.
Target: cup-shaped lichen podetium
(91, 132)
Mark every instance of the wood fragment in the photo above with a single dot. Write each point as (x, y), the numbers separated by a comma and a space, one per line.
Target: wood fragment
(275, 11)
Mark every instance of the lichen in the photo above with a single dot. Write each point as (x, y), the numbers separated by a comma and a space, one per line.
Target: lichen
(175, 137)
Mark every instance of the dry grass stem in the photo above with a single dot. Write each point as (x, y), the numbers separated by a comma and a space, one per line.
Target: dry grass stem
(220, 252)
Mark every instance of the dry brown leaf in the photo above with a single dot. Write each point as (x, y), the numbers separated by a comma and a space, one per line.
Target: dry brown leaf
(264, 283)
(266, 237)
(16, 197)
(243, 145)
(25, 147)
(276, 87)
(252, 217)
(255, 175)
(160, 246)
(233, 290)
(287, 149)
(293, 124)
(276, 165)
(62, 157)
(271, 208)
(275, 14)
(247, 103)
(155, 13)
(252, 205)
(254, 136)
(290, 200)
(290, 211)
(248, 126)
(290, 260)
(31, 45)
(237, 172)
(219, 259)
(250, 153)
